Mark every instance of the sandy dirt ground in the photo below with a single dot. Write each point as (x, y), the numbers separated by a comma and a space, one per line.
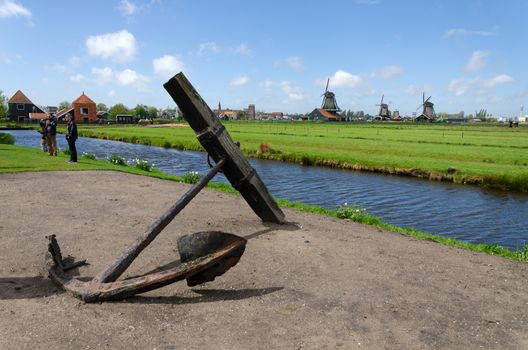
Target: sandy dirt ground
(314, 283)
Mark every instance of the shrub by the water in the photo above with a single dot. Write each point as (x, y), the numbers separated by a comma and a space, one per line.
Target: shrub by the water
(117, 160)
(66, 152)
(88, 155)
(7, 139)
(143, 165)
(191, 177)
(357, 214)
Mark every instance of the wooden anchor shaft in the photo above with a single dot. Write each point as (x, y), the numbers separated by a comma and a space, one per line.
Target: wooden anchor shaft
(115, 270)
(218, 143)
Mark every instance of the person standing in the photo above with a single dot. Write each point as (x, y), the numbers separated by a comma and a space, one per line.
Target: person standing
(43, 139)
(51, 136)
(71, 137)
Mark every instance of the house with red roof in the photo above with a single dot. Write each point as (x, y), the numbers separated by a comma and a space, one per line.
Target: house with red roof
(20, 107)
(83, 110)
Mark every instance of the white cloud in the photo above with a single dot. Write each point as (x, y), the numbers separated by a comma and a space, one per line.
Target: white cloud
(119, 46)
(295, 63)
(129, 77)
(103, 75)
(497, 80)
(167, 66)
(341, 79)
(266, 85)
(77, 78)
(459, 87)
(460, 32)
(12, 9)
(239, 80)
(294, 92)
(207, 47)
(73, 62)
(128, 8)
(242, 49)
(476, 61)
(390, 71)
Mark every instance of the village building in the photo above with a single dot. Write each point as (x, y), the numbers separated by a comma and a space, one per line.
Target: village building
(428, 113)
(329, 111)
(125, 119)
(103, 116)
(82, 110)
(51, 110)
(20, 107)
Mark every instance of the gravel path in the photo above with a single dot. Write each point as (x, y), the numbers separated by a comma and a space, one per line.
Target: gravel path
(315, 283)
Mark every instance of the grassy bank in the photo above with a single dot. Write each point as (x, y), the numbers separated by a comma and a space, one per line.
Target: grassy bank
(18, 159)
(492, 156)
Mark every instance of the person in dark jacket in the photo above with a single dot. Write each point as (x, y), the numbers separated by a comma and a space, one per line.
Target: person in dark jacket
(71, 137)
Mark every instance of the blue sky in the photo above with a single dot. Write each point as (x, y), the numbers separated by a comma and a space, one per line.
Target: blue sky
(276, 54)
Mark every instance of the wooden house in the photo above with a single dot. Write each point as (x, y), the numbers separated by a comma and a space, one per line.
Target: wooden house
(125, 119)
(321, 114)
(20, 106)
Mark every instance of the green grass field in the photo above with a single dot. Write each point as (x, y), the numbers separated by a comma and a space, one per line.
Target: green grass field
(19, 159)
(495, 156)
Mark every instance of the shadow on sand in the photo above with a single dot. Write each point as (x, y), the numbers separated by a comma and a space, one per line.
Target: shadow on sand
(206, 296)
(39, 287)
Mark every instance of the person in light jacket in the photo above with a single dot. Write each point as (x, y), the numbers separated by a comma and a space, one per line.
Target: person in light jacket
(51, 135)
(71, 137)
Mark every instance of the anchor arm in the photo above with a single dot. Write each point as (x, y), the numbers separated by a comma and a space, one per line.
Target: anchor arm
(112, 272)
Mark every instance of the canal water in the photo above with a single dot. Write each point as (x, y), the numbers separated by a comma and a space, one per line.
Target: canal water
(468, 213)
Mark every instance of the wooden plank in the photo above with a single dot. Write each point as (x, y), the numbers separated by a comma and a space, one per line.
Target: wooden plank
(218, 143)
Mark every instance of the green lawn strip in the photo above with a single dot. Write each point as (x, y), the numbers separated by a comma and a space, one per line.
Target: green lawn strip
(491, 155)
(21, 159)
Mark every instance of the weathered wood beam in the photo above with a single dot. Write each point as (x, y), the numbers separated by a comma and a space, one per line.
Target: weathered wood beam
(112, 272)
(93, 291)
(213, 136)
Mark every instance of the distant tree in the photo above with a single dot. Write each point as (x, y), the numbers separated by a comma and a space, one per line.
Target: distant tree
(3, 105)
(102, 107)
(64, 104)
(118, 108)
(152, 112)
(140, 111)
(482, 114)
(240, 115)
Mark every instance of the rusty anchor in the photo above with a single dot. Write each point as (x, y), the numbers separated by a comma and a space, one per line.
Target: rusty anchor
(203, 255)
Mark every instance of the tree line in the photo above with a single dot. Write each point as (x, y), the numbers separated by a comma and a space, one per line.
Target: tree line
(140, 111)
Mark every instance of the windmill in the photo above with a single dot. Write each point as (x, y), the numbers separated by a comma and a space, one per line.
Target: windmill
(428, 113)
(384, 113)
(329, 100)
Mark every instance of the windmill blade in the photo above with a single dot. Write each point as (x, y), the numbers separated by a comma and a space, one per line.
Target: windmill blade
(420, 106)
(382, 99)
(427, 99)
(327, 83)
(423, 98)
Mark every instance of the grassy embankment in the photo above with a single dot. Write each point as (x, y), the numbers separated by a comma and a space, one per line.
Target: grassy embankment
(493, 156)
(18, 159)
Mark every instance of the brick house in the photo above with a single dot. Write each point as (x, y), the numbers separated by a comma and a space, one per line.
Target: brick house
(82, 110)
